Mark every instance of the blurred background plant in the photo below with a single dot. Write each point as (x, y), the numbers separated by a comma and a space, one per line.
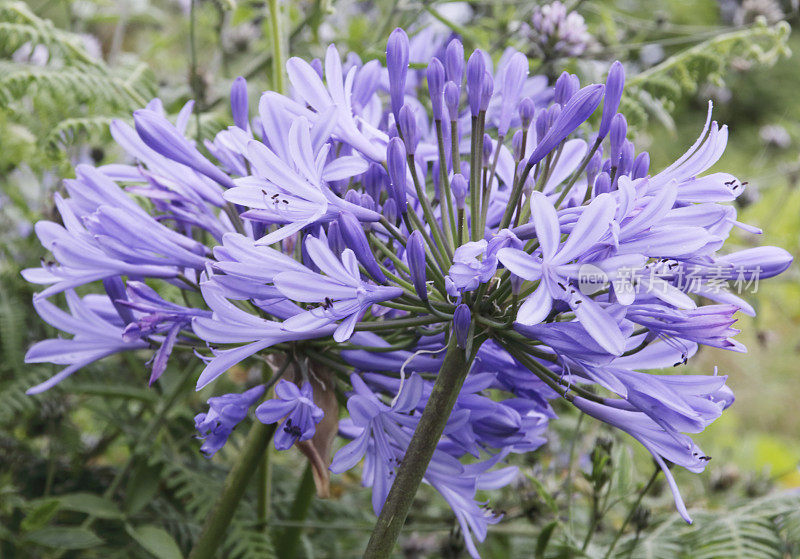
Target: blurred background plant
(105, 467)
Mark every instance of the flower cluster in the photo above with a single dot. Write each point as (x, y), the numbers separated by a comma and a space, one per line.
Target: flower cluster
(559, 32)
(358, 224)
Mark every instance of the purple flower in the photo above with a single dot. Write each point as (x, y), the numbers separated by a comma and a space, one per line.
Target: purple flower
(341, 292)
(155, 317)
(678, 449)
(96, 330)
(472, 266)
(224, 414)
(291, 233)
(554, 272)
(297, 406)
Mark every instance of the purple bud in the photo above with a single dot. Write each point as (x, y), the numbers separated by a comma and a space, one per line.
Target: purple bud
(408, 126)
(451, 99)
(530, 181)
(487, 149)
(161, 136)
(355, 239)
(626, 158)
(514, 74)
(115, 289)
(397, 66)
(516, 145)
(602, 183)
(641, 166)
(527, 110)
(239, 103)
(454, 62)
(415, 255)
(396, 162)
(541, 125)
(486, 93)
(367, 202)
(316, 64)
(561, 90)
(579, 108)
(458, 184)
(766, 261)
(352, 197)
(462, 319)
(593, 167)
(552, 115)
(614, 86)
(476, 71)
(373, 180)
(619, 129)
(436, 86)
(335, 241)
(390, 210)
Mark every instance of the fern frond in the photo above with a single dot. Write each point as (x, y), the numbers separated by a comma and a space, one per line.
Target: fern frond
(67, 132)
(682, 73)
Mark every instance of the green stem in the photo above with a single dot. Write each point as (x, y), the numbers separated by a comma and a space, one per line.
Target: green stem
(632, 511)
(278, 46)
(213, 532)
(264, 489)
(194, 76)
(287, 544)
(420, 451)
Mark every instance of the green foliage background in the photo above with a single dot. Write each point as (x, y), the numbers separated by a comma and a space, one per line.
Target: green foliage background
(102, 466)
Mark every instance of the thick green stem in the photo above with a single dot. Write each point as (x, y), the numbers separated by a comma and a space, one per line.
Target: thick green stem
(420, 451)
(213, 532)
(286, 547)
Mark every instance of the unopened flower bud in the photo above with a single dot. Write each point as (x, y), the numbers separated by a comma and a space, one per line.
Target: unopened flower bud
(408, 127)
(476, 72)
(614, 86)
(527, 110)
(239, 103)
(454, 62)
(451, 99)
(396, 162)
(436, 87)
(462, 319)
(458, 184)
(415, 255)
(397, 66)
(356, 240)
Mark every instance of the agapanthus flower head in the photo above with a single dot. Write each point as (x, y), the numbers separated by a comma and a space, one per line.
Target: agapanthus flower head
(344, 227)
(559, 31)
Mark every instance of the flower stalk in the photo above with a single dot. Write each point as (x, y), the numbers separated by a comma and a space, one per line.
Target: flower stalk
(420, 450)
(213, 531)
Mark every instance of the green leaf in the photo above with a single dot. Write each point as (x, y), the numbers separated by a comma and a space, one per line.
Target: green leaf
(40, 514)
(62, 537)
(543, 493)
(544, 539)
(142, 486)
(90, 504)
(155, 540)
